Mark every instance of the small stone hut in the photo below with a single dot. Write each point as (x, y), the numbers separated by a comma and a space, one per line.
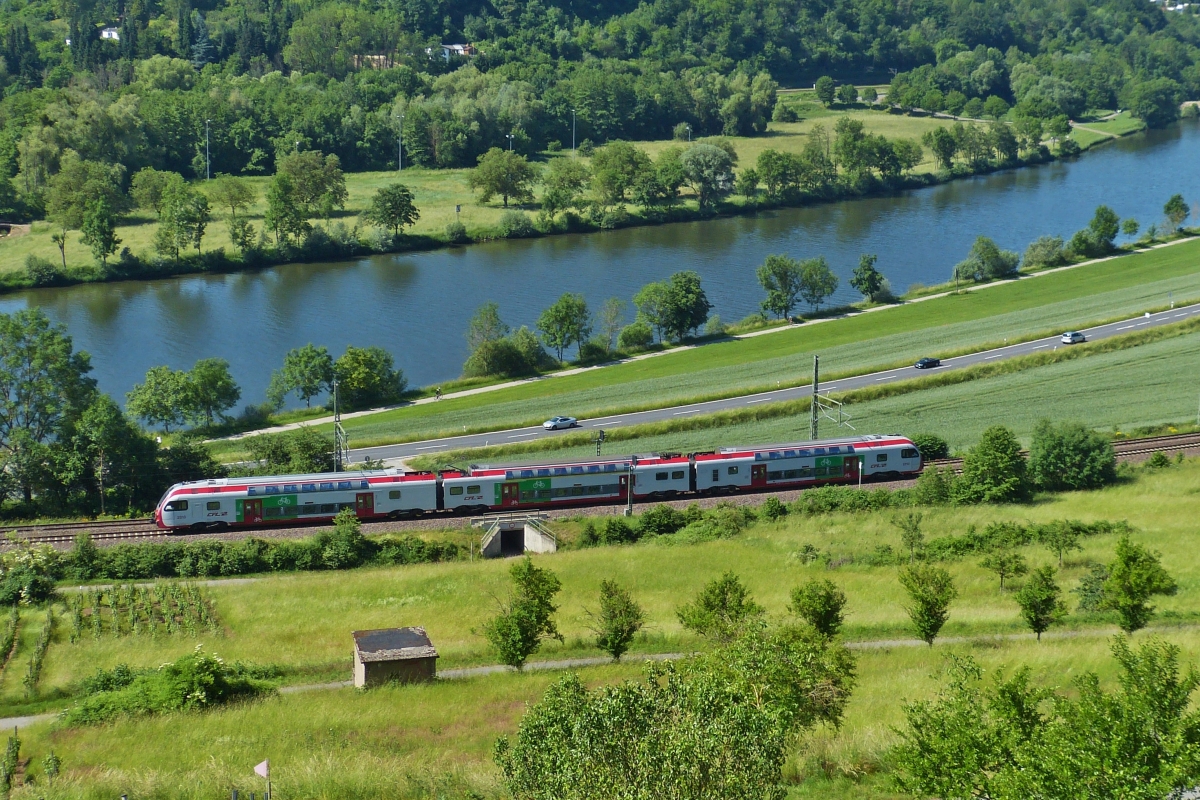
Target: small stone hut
(393, 654)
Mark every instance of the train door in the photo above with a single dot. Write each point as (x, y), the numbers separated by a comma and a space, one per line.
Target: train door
(510, 494)
(851, 467)
(364, 504)
(252, 512)
(623, 492)
(758, 475)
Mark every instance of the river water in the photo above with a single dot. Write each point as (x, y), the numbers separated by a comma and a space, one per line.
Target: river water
(417, 306)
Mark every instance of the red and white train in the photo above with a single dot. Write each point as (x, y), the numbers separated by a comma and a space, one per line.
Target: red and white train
(377, 494)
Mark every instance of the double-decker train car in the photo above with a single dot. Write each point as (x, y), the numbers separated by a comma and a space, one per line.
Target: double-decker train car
(288, 499)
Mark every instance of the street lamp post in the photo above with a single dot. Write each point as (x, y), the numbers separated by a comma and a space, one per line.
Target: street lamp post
(207, 152)
(689, 129)
(400, 146)
(510, 141)
(572, 131)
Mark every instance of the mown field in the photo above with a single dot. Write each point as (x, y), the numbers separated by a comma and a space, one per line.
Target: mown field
(1116, 391)
(888, 337)
(437, 192)
(435, 741)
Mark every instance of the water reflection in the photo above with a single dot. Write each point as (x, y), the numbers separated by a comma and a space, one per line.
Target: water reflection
(417, 305)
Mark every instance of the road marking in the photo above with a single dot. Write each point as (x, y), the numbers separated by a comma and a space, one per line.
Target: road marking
(601, 424)
(885, 377)
(693, 411)
(1125, 328)
(431, 447)
(763, 400)
(1147, 322)
(1177, 316)
(1039, 347)
(519, 435)
(989, 358)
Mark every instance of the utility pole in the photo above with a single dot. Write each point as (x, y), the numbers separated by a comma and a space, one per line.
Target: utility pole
(572, 131)
(400, 146)
(341, 449)
(629, 487)
(816, 387)
(510, 138)
(689, 129)
(207, 153)
(101, 477)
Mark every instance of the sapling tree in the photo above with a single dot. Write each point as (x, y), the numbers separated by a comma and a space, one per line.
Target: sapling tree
(722, 610)
(527, 617)
(618, 620)
(911, 537)
(820, 604)
(1059, 536)
(1133, 578)
(930, 592)
(1041, 601)
(1005, 563)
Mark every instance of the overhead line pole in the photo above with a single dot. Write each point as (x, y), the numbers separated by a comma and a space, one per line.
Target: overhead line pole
(816, 387)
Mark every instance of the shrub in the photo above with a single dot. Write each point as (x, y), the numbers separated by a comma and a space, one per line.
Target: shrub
(43, 271)
(820, 604)
(192, 682)
(587, 149)
(660, 520)
(987, 261)
(935, 486)
(553, 146)
(784, 113)
(456, 233)
(722, 610)
(931, 445)
(930, 592)
(636, 336)
(772, 509)
(994, 470)
(516, 225)
(592, 352)
(516, 632)
(1045, 251)
(1070, 456)
(619, 619)
(617, 531)
(683, 130)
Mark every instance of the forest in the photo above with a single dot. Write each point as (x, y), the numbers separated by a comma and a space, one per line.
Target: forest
(231, 86)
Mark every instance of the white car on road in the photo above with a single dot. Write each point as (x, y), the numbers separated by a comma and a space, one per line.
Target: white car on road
(1073, 337)
(554, 423)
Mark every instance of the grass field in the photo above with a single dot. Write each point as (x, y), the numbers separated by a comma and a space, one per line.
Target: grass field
(437, 192)
(435, 741)
(884, 338)
(1119, 391)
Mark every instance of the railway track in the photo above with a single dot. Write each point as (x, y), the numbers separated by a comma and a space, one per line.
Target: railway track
(62, 533)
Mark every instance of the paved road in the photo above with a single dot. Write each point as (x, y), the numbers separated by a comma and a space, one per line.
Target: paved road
(512, 436)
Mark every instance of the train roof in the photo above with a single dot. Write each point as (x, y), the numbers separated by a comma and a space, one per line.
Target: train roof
(621, 461)
(867, 440)
(312, 477)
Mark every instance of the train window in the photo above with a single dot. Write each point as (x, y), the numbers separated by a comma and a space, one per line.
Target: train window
(835, 469)
(272, 490)
(806, 472)
(308, 487)
(677, 475)
(660, 476)
(821, 472)
(716, 475)
(177, 505)
(593, 468)
(880, 457)
(593, 490)
(272, 512)
(456, 490)
(560, 470)
(774, 476)
(214, 505)
(543, 473)
(541, 494)
(576, 470)
(394, 494)
(328, 508)
(326, 487)
(733, 470)
(474, 489)
(909, 452)
(343, 484)
(291, 487)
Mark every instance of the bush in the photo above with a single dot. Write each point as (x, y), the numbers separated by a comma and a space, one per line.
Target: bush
(682, 131)
(820, 604)
(1045, 251)
(931, 446)
(1070, 456)
(784, 113)
(553, 146)
(193, 682)
(43, 271)
(772, 509)
(456, 233)
(587, 149)
(994, 470)
(661, 520)
(617, 531)
(592, 352)
(516, 225)
(987, 261)
(637, 336)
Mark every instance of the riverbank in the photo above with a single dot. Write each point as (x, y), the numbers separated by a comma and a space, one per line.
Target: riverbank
(445, 197)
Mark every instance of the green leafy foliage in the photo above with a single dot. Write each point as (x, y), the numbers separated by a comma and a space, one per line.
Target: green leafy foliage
(722, 610)
(367, 376)
(527, 617)
(994, 471)
(1041, 601)
(392, 207)
(821, 604)
(1070, 456)
(1134, 577)
(1006, 564)
(618, 620)
(931, 446)
(930, 591)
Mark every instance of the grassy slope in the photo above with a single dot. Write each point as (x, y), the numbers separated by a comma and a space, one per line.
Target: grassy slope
(438, 191)
(879, 339)
(1122, 390)
(339, 743)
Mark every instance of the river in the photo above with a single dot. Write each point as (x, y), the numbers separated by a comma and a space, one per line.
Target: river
(417, 305)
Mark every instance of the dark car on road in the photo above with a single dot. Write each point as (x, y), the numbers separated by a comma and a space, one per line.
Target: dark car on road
(928, 363)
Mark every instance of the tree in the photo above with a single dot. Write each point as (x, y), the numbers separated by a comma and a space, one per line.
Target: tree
(911, 538)
(1101, 232)
(392, 207)
(779, 275)
(184, 218)
(847, 94)
(485, 326)
(1133, 578)
(307, 371)
(1006, 564)
(618, 621)
(820, 604)
(1177, 211)
(1156, 101)
(213, 389)
(1059, 536)
(722, 610)
(527, 617)
(986, 261)
(615, 168)
(164, 398)
(1041, 602)
(229, 192)
(610, 319)
(685, 305)
(943, 144)
(43, 387)
(930, 592)
(1130, 227)
(565, 182)
(78, 185)
(285, 214)
(99, 231)
(825, 89)
(565, 323)
(1070, 456)
(367, 376)
(317, 183)
(817, 281)
(994, 471)
(651, 302)
(504, 173)
(709, 171)
(867, 280)
(150, 186)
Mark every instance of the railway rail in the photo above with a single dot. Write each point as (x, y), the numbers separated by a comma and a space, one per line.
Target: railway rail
(62, 533)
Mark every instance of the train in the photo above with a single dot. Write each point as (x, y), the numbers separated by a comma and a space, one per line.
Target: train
(275, 500)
